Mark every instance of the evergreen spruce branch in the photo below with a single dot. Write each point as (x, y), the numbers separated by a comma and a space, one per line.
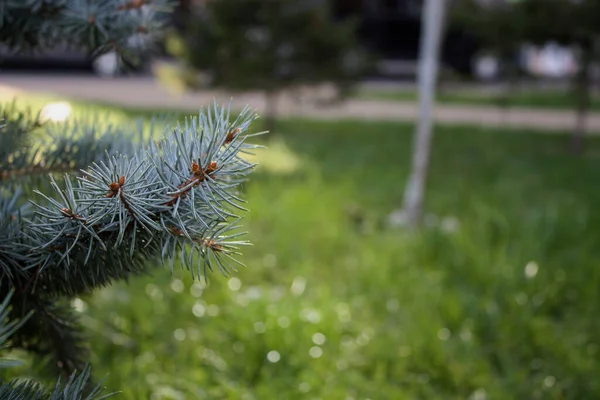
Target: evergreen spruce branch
(77, 386)
(173, 200)
(69, 146)
(98, 26)
(11, 226)
(53, 333)
(8, 327)
(22, 390)
(16, 126)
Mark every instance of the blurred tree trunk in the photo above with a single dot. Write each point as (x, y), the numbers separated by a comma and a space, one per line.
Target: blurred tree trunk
(431, 38)
(583, 99)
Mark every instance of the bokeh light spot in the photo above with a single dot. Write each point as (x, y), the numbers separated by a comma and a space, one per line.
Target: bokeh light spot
(273, 356)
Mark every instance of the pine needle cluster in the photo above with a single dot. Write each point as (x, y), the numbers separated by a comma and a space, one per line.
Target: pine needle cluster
(85, 203)
(83, 211)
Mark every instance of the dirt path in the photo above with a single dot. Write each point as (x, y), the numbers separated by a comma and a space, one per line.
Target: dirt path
(146, 92)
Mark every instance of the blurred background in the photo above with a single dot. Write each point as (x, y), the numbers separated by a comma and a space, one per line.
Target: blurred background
(494, 296)
(389, 29)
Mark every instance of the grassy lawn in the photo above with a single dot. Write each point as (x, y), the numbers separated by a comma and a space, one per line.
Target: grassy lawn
(551, 99)
(496, 298)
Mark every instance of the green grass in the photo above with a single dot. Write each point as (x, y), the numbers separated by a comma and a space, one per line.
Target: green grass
(550, 99)
(356, 310)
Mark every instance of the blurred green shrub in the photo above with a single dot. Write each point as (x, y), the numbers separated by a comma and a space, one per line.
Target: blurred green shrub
(267, 46)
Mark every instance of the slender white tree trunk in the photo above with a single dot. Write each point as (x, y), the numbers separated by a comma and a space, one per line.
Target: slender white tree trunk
(431, 40)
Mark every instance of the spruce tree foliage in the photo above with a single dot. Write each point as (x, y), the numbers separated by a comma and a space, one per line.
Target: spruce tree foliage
(74, 388)
(121, 209)
(267, 46)
(128, 27)
(85, 203)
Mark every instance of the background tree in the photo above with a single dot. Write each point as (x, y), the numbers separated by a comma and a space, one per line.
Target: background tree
(84, 204)
(503, 27)
(498, 28)
(268, 46)
(570, 23)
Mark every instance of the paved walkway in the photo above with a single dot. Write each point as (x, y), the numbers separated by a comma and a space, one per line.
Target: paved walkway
(146, 92)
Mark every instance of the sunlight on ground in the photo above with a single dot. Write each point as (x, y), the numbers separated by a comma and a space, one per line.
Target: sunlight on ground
(56, 112)
(25, 100)
(278, 158)
(168, 77)
(8, 93)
